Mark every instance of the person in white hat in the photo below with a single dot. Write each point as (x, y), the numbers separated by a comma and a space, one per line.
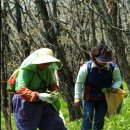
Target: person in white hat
(32, 104)
(93, 77)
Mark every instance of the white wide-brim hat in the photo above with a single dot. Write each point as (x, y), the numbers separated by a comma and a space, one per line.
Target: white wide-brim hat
(44, 55)
(45, 59)
(41, 56)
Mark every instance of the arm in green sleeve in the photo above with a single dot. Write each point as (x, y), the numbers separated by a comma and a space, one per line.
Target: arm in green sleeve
(80, 81)
(117, 80)
(23, 79)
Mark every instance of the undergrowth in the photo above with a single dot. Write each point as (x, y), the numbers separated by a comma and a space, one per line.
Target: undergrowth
(119, 121)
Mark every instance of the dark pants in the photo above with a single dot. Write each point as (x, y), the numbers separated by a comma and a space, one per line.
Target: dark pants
(96, 110)
(30, 116)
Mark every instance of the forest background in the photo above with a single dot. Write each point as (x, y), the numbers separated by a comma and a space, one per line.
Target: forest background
(70, 28)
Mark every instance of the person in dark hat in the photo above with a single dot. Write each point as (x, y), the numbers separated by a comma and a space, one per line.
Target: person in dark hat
(95, 75)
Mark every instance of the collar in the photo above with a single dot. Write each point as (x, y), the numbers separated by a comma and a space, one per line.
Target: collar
(107, 66)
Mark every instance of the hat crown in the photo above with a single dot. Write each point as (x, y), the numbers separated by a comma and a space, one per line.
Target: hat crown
(105, 55)
(44, 52)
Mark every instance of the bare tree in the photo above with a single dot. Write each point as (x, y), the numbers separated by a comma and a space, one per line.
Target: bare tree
(4, 43)
(70, 28)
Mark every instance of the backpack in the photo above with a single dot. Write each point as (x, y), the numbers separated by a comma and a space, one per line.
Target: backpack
(11, 88)
(11, 81)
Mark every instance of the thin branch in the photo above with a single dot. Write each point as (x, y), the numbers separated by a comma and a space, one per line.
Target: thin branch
(90, 7)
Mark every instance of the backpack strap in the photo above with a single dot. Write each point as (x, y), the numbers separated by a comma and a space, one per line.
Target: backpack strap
(43, 84)
(31, 79)
(88, 64)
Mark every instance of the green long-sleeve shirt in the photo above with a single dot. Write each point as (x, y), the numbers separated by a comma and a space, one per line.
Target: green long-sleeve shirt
(33, 79)
(82, 74)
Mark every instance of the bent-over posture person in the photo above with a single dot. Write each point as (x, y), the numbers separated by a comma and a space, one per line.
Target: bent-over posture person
(32, 106)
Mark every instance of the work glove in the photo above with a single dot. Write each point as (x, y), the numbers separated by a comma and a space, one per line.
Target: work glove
(45, 97)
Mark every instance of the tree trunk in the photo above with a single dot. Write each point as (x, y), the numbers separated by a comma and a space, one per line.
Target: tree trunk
(51, 37)
(4, 101)
(114, 36)
(19, 27)
(92, 28)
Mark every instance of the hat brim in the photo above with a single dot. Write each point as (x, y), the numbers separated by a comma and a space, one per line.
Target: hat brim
(103, 60)
(47, 59)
